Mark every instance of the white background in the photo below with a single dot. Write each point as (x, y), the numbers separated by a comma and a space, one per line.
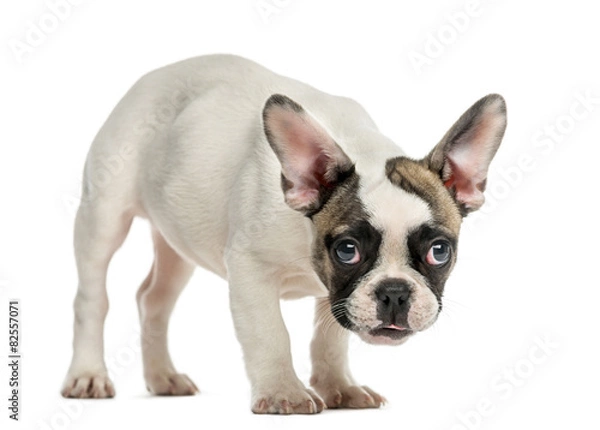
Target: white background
(527, 270)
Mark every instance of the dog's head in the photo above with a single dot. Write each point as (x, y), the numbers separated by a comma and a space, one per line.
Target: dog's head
(384, 250)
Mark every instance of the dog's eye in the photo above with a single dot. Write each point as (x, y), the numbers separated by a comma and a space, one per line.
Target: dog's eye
(439, 253)
(347, 251)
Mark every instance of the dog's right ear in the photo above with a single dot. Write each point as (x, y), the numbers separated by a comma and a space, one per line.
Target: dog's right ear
(463, 156)
(312, 164)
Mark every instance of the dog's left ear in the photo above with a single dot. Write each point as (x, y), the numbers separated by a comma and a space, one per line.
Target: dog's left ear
(463, 156)
(312, 164)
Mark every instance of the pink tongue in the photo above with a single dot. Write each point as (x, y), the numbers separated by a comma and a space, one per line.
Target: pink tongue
(395, 327)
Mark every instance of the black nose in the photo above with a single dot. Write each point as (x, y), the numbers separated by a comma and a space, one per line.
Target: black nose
(393, 295)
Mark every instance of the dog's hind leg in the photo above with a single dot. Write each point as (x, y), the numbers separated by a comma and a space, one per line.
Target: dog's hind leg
(100, 229)
(156, 299)
(111, 198)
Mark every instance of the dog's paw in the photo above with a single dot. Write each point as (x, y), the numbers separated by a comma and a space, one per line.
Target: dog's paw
(288, 401)
(171, 384)
(88, 386)
(350, 397)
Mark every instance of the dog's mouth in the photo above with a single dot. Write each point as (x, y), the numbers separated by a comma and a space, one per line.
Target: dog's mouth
(392, 331)
(386, 335)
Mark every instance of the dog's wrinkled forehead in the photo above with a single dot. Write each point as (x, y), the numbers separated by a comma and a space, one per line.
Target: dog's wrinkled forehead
(425, 187)
(394, 211)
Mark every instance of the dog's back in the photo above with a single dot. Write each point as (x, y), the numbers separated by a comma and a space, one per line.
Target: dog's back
(185, 147)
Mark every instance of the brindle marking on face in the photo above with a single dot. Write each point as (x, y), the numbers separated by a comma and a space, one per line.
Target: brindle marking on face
(343, 216)
(414, 177)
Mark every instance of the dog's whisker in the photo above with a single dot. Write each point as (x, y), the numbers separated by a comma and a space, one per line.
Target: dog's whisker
(328, 315)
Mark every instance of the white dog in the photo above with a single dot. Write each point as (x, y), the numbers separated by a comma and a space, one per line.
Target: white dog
(284, 191)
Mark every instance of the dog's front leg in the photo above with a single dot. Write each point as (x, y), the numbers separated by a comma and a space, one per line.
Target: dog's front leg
(260, 329)
(331, 376)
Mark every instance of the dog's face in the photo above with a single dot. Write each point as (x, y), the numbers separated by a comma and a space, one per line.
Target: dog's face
(384, 250)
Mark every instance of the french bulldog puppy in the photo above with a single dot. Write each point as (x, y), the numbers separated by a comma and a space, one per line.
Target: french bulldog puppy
(284, 191)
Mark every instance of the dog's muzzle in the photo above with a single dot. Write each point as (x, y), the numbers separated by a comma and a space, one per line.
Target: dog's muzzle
(390, 312)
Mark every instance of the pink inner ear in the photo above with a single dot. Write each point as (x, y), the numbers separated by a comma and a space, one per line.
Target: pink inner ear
(467, 187)
(467, 177)
(302, 141)
(306, 164)
(469, 160)
(301, 197)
